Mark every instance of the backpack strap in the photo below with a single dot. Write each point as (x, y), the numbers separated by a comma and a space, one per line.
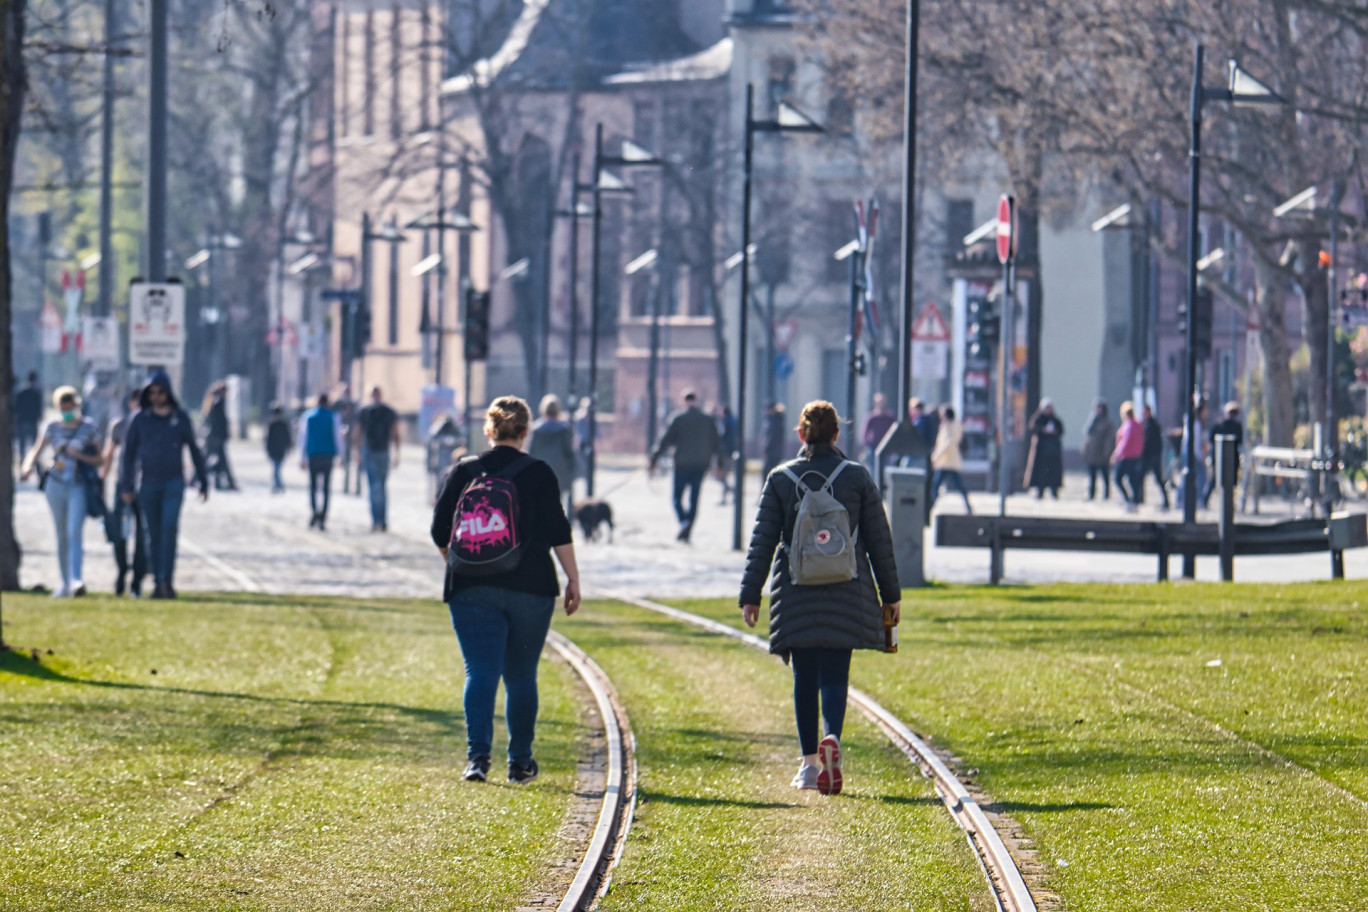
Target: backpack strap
(831, 479)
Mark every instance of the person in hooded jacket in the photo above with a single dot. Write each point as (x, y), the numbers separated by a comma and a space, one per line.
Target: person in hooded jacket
(553, 442)
(815, 628)
(152, 473)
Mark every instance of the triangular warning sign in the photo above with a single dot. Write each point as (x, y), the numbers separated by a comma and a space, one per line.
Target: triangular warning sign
(930, 326)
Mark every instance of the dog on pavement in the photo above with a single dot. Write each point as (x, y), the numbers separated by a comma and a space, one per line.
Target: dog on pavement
(592, 515)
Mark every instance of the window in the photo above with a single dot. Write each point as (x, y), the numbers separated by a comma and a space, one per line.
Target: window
(345, 67)
(396, 52)
(959, 222)
(368, 98)
(837, 230)
(840, 111)
(424, 68)
(780, 85)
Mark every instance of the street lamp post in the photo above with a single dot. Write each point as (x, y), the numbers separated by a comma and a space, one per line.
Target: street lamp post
(1241, 89)
(632, 156)
(787, 120)
(574, 213)
(855, 252)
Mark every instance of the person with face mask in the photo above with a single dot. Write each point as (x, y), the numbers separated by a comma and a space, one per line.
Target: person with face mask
(75, 442)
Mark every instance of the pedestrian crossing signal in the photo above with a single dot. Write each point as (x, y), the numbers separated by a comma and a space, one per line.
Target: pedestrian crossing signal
(477, 326)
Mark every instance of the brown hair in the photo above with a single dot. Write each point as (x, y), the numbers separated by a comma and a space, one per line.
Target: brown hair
(508, 417)
(819, 422)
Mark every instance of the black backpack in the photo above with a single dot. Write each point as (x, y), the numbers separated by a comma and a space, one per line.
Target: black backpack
(486, 535)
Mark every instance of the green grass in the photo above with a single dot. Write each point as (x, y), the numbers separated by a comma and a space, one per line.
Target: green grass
(259, 753)
(719, 828)
(1193, 747)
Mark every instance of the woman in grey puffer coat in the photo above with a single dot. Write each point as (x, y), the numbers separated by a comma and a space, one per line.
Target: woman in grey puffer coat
(816, 627)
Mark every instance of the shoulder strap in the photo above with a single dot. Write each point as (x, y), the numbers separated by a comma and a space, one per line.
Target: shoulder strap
(831, 479)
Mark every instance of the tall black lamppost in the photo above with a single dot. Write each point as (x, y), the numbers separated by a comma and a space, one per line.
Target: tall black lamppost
(441, 221)
(576, 212)
(1241, 88)
(632, 156)
(788, 119)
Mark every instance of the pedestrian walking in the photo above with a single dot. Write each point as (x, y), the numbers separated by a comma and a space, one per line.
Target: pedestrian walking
(1152, 460)
(501, 609)
(1128, 455)
(28, 414)
(693, 437)
(123, 523)
(584, 433)
(946, 459)
(1045, 461)
(75, 444)
(279, 442)
(553, 442)
(216, 433)
(322, 436)
(376, 431)
(152, 474)
(1229, 426)
(814, 626)
(1099, 438)
(729, 439)
(925, 421)
(1200, 450)
(876, 425)
(776, 436)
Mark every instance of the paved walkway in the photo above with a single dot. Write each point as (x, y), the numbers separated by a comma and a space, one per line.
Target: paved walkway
(257, 539)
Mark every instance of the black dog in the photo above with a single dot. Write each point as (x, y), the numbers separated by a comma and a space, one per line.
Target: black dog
(591, 514)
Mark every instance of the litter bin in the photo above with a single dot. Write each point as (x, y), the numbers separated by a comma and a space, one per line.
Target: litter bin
(905, 502)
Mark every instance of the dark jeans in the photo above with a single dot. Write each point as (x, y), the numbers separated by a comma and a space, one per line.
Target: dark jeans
(377, 463)
(277, 482)
(1156, 469)
(818, 670)
(501, 634)
(25, 433)
(691, 480)
(1128, 477)
(160, 503)
(139, 566)
(1093, 473)
(956, 483)
(320, 483)
(216, 457)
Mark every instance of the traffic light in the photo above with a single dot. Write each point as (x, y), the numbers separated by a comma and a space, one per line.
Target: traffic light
(984, 323)
(1204, 320)
(363, 328)
(477, 326)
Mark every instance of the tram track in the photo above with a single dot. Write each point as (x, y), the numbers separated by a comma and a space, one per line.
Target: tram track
(615, 813)
(1009, 887)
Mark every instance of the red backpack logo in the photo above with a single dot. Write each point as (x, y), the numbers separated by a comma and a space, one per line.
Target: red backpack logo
(484, 527)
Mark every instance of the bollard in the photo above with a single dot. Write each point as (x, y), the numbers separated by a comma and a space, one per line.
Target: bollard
(1227, 466)
(905, 502)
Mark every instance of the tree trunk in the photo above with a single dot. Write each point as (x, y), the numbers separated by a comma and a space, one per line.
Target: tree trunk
(12, 86)
(1279, 421)
(1314, 285)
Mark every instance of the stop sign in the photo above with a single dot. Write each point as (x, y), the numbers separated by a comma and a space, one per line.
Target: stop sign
(1006, 229)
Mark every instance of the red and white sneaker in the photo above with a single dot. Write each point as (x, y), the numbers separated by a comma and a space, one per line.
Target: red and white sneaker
(829, 766)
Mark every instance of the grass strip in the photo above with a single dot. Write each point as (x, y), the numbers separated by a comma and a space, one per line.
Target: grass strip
(719, 828)
(1168, 747)
(260, 753)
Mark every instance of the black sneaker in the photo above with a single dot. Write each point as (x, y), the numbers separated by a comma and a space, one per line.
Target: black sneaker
(523, 772)
(477, 770)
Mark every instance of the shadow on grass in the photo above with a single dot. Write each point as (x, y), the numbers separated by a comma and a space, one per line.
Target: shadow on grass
(1009, 807)
(699, 801)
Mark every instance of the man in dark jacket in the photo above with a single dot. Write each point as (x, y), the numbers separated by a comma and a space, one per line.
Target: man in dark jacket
(279, 440)
(1230, 426)
(28, 413)
(1152, 462)
(152, 471)
(216, 434)
(693, 436)
(377, 431)
(553, 442)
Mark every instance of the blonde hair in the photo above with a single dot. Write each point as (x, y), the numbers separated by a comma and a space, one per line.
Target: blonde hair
(508, 418)
(1128, 409)
(65, 392)
(819, 422)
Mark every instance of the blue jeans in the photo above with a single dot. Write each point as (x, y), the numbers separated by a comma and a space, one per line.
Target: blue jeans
(940, 477)
(818, 670)
(160, 503)
(277, 482)
(1129, 476)
(687, 480)
(67, 500)
(501, 634)
(377, 463)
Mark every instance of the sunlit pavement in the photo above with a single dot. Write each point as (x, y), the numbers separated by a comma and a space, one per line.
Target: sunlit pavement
(256, 539)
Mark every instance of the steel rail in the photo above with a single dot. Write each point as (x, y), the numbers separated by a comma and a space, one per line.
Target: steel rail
(1009, 887)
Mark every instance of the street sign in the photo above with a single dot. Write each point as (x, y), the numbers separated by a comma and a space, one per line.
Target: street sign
(784, 331)
(51, 324)
(156, 323)
(930, 325)
(783, 365)
(312, 343)
(1006, 229)
(930, 359)
(100, 342)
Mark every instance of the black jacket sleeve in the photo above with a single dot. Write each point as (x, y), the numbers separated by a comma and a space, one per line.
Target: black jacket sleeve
(445, 508)
(765, 537)
(196, 455)
(878, 541)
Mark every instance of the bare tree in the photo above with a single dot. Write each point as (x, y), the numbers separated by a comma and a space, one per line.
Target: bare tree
(12, 87)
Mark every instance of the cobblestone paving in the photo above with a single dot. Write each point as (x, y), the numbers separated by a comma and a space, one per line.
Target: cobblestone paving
(256, 540)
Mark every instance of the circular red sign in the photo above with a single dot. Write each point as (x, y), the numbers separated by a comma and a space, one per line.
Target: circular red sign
(1006, 229)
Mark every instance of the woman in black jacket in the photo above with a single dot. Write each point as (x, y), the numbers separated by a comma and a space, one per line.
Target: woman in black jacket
(502, 619)
(816, 627)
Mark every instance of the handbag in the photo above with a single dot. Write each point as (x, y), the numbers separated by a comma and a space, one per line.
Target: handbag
(94, 489)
